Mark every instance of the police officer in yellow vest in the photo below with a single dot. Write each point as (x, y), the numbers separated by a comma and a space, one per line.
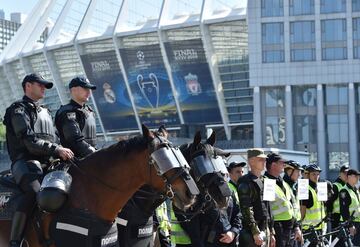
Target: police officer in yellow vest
(350, 204)
(282, 209)
(236, 171)
(162, 224)
(179, 237)
(312, 210)
(334, 200)
(292, 172)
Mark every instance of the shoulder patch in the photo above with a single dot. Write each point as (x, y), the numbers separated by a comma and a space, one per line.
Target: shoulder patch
(19, 110)
(71, 115)
(343, 194)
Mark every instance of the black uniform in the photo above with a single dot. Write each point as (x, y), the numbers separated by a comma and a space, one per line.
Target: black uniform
(30, 141)
(255, 211)
(217, 221)
(77, 128)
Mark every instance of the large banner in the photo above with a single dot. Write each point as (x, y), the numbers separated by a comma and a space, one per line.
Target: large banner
(193, 81)
(111, 95)
(150, 85)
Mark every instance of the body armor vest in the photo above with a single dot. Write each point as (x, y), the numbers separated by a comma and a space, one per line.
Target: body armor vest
(88, 125)
(43, 125)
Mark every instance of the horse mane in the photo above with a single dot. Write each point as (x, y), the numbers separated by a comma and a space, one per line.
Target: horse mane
(121, 148)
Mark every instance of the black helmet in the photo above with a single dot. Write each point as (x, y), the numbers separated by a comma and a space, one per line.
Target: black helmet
(313, 167)
(293, 165)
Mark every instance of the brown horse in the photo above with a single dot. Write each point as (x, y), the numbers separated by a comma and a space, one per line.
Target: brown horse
(104, 181)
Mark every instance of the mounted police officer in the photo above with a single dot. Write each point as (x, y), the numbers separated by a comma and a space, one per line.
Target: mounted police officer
(283, 208)
(30, 139)
(257, 217)
(75, 121)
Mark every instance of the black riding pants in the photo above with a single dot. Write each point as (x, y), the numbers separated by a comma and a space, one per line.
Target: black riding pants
(30, 187)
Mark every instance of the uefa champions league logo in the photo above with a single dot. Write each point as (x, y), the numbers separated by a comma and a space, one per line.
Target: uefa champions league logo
(149, 89)
(140, 56)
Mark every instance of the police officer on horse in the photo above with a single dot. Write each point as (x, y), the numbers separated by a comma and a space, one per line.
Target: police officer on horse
(75, 121)
(30, 137)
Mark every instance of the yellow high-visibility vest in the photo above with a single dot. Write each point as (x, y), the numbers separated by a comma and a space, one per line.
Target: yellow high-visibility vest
(315, 214)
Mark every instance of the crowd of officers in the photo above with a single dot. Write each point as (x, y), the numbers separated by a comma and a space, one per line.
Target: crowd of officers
(249, 220)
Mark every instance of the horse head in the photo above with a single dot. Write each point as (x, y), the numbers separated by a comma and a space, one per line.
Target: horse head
(208, 168)
(172, 169)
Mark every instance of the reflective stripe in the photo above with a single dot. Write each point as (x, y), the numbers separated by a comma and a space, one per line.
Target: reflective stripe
(72, 228)
(121, 221)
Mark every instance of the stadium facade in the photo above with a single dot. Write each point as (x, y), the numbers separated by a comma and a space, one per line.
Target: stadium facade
(271, 73)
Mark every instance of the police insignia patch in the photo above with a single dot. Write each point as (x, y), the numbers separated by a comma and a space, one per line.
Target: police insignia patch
(19, 110)
(71, 115)
(343, 194)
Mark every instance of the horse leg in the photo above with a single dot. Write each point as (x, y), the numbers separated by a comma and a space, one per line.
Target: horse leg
(5, 227)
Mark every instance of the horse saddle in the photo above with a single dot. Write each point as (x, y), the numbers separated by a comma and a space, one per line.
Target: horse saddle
(9, 195)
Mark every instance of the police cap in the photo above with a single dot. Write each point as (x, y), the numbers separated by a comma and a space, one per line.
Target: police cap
(37, 78)
(81, 81)
(353, 172)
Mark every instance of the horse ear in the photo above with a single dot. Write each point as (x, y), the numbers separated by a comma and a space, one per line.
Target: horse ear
(197, 138)
(212, 139)
(163, 131)
(146, 132)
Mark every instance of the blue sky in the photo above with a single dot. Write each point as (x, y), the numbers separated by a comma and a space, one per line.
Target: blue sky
(23, 6)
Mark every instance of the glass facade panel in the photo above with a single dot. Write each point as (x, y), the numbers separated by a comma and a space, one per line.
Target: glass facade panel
(355, 5)
(337, 125)
(272, 8)
(301, 7)
(333, 39)
(356, 37)
(273, 111)
(305, 120)
(332, 6)
(302, 41)
(272, 42)
(336, 95)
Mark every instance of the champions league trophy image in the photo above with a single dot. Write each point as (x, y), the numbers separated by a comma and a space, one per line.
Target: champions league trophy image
(149, 89)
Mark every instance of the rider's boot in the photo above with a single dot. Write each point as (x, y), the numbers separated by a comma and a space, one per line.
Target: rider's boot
(17, 229)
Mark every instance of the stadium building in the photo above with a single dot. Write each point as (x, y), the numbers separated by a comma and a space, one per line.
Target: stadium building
(267, 73)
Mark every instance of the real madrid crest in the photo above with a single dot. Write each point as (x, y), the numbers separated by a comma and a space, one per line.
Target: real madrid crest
(109, 93)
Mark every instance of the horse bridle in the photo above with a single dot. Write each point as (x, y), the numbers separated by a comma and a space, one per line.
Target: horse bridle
(165, 148)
